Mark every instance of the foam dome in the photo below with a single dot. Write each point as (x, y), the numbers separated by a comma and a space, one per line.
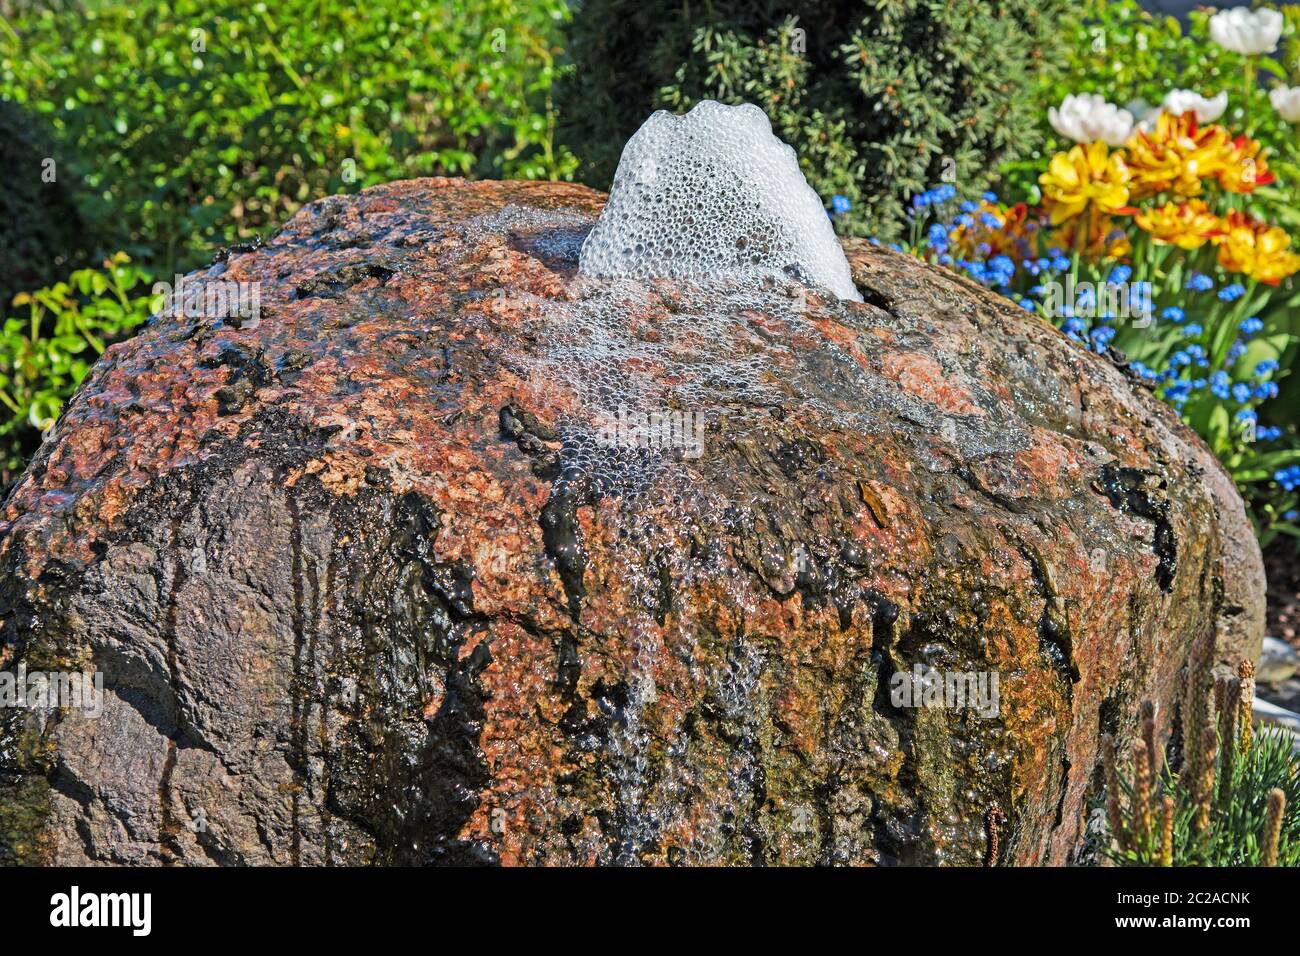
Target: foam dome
(714, 193)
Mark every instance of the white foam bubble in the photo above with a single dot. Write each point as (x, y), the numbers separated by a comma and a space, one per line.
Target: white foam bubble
(714, 193)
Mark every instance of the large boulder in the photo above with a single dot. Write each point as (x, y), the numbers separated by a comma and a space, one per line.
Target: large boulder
(359, 590)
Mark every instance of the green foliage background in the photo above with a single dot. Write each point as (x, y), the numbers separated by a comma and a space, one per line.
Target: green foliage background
(194, 123)
(42, 234)
(1235, 834)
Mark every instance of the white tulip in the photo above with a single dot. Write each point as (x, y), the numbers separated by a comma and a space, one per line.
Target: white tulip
(1088, 117)
(1243, 30)
(1286, 100)
(1179, 102)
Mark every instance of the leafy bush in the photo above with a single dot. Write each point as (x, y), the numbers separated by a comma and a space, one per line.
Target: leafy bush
(1229, 797)
(877, 98)
(45, 354)
(35, 249)
(197, 123)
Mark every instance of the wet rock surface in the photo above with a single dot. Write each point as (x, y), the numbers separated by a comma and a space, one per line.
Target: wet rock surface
(353, 603)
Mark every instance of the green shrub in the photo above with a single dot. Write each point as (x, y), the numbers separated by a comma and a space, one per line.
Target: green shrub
(878, 99)
(1231, 797)
(43, 236)
(46, 353)
(197, 123)
(1237, 829)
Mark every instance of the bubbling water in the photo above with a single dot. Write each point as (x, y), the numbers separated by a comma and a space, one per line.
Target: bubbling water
(710, 193)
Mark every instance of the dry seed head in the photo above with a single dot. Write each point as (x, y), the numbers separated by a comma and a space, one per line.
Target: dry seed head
(994, 819)
(1229, 690)
(1246, 671)
(1149, 736)
(1205, 779)
(1273, 825)
(1141, 810)
(1195, 701)
(1167, 832)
